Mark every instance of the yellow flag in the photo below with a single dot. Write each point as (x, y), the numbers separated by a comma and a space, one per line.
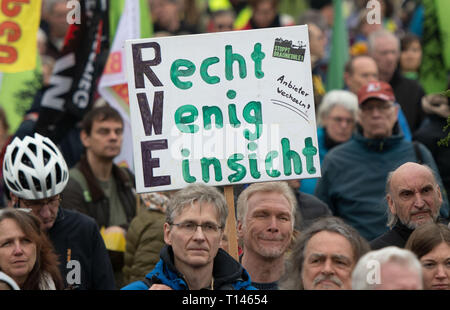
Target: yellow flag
(114, 241)
(19, 23)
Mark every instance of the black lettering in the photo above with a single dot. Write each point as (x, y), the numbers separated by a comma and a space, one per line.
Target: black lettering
(142, 67)
(150, 119)
(149, 163)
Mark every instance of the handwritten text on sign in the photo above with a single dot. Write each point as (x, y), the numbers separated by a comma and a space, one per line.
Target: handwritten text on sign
(233, 107)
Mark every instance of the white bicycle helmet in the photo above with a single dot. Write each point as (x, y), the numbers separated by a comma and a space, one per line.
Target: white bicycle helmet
(34, 168)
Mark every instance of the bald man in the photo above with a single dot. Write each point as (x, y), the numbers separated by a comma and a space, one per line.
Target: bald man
(414, 198)
(359, 71)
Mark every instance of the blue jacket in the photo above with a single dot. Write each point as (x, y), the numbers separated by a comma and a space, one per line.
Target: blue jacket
(228, 274)
(354, 178)
(309, 185)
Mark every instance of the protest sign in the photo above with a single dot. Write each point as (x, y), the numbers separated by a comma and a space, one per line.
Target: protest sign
(19, 22)
(222, 108)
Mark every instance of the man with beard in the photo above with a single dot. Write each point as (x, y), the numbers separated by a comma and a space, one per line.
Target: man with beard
(323, 257)
(98, 187)
(265, 226)
(414, 198)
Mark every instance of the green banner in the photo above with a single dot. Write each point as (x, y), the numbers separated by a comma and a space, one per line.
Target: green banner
(433, 73)
(17, 91)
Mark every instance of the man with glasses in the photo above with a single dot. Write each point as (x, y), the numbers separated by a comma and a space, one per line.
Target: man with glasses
(354, 173)
(192, 258)
(36, 173)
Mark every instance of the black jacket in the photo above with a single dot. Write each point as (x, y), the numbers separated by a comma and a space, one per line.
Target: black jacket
(311, 208)
(408, 93)
(77, 239)
(397, 236)
(429, 134)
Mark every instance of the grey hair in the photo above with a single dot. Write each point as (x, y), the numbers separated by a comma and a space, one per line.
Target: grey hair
(278, 187)
(333, 98)
(292, 279)
(393, 218)
(382, 33)
(197, 193)
(367, 263)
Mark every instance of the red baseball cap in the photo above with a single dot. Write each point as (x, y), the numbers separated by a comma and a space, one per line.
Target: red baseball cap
(379, 90)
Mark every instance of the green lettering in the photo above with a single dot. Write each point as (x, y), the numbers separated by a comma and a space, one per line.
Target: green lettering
(206, 162)
(257, 57)
(238, 168)
(181, 120)
(252, 114)
(289, 155)
(218, 117)
(185, 167)
(253, 163)
(232, 115)
(176, 72)
(269, 164)
(309, 151)
(204, 70)
(230, 58)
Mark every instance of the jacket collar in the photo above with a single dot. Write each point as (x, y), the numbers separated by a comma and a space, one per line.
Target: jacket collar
(225, 271)
(403, 230)
(94, 187)
(379, 145)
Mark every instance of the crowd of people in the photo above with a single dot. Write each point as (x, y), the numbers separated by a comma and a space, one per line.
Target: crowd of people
(377, 218)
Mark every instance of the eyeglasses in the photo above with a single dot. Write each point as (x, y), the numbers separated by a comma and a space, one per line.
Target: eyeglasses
(380, 107)
(191, 227)
(340, 120)
(38, 204)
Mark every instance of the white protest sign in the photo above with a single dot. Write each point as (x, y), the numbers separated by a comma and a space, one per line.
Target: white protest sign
(222, 108)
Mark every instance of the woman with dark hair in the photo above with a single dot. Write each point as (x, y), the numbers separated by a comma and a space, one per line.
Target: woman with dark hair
(26, 254)
(410, 56)
(431, 243)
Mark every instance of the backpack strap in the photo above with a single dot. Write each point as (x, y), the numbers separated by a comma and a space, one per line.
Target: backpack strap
(418, 152)
(79, 177)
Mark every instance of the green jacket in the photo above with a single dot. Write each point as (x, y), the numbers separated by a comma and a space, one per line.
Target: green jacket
(145, 239)
(84, 194)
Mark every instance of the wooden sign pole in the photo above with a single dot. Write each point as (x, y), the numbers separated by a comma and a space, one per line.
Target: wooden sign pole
(230, 227)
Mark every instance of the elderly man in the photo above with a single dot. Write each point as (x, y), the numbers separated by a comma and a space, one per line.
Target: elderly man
(192, 258)
(265, 226)
(390, 268)
(384, 47)
(361, 70)
(414, 198)
(324, 256)
(354, 173)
